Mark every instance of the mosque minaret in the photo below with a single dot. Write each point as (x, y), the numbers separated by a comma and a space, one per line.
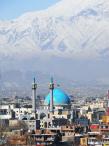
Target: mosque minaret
(34, 87)
(51, 87)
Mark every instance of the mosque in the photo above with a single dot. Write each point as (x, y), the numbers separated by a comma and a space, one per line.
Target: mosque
(56, 110)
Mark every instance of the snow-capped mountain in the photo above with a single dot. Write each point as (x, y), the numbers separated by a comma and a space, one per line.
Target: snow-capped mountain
(69, 28)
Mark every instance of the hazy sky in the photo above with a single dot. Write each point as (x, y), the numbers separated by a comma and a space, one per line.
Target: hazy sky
(10, 9)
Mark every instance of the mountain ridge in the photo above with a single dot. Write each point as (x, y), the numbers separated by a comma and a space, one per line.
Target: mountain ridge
(76, 34)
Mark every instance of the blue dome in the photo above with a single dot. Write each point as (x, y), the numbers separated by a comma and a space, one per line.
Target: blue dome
(59, 98)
